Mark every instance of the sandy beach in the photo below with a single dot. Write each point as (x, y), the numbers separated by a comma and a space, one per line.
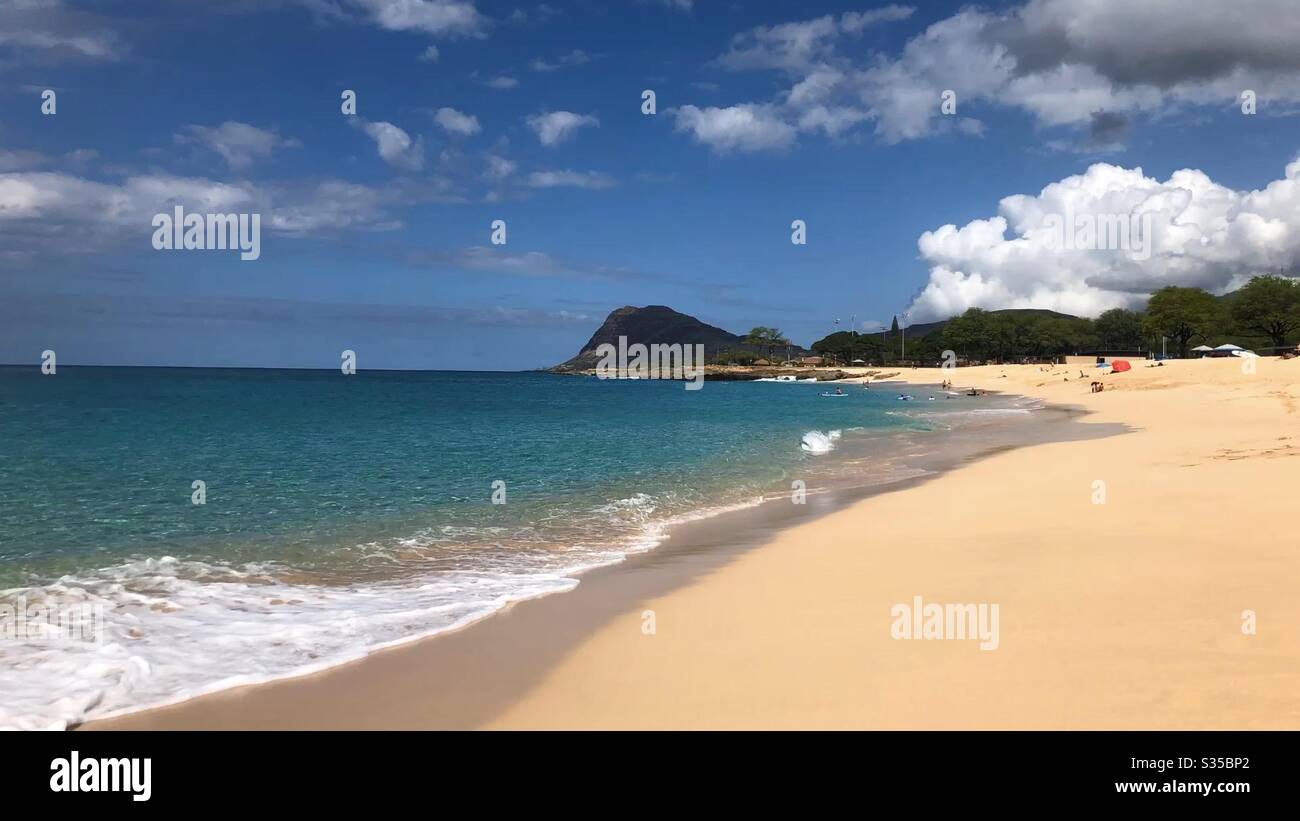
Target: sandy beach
(1141, 580)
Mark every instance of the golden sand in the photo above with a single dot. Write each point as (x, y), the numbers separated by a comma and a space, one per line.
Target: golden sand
(1168, 596)
(1125, 614)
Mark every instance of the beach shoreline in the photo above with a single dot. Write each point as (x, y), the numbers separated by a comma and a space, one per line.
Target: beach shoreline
(788, 625)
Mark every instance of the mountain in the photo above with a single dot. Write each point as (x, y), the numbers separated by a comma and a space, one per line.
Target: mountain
(659, 323)
(656, 323)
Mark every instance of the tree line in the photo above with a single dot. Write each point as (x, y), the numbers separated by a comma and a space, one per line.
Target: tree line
(1263, 314)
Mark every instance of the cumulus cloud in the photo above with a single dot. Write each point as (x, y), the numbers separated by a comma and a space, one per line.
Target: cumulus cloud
(1066, 61)
(821, 98)
(395, 146)
(555, 127)
(735, 128)
(1186, 230)
(239, 144)
(1089, 66)
(501, 83)
(456, 122)
(430, 55)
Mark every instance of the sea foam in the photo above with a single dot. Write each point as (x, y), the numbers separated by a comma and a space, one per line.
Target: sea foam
(816, 442)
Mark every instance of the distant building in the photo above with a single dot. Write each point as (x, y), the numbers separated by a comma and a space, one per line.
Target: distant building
(810, 360)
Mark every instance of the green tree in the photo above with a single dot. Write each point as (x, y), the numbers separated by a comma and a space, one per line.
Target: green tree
(968, 335)
(837, 346)
(737, 357)
(766, 339)
(1118, 329)
(1268, 305)
(1182, 314)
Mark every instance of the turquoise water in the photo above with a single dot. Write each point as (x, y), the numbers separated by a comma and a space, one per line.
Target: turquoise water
(347, 512)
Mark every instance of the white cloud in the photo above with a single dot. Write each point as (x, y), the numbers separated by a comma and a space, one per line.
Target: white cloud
(430, 55)
(395, 146)
(1202, 234)
(855, 21)
(822, 99)
(737, 128)
(50, 30)
(456, 122)
(577, 57)
(800, 46)
(569, 179)
(498, 167)
(502, 82)
(1064, 62)
(555, 127)
(541, 14)
(831, 121)
(448, 17)
(38, 208)
(330, 205)
(239, 144)
(495, 260)
(60, 197)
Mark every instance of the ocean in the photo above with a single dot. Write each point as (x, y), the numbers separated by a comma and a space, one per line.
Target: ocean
(341, 514)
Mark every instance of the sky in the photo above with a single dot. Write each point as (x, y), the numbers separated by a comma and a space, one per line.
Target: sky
(925, 147)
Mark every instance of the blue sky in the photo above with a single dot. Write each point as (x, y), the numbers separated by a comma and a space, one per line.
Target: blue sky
(376, 226)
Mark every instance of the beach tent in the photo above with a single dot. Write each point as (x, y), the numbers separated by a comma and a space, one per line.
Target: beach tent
(1228, 346)
(1202, 349)
(859, 362)
(1119, 366)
